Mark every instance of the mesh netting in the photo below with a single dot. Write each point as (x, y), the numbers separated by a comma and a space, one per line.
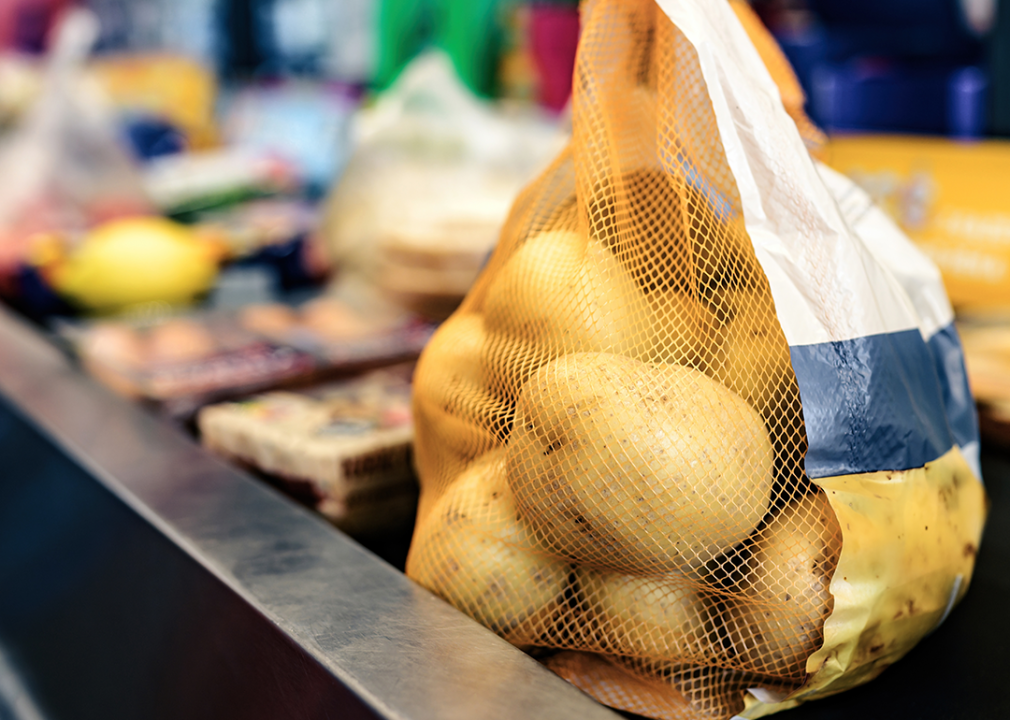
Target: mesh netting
(609, 432)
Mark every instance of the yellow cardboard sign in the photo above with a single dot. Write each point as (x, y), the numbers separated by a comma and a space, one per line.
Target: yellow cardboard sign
(951, 198)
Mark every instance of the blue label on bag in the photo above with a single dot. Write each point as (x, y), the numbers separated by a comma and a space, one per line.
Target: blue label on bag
(883, 402)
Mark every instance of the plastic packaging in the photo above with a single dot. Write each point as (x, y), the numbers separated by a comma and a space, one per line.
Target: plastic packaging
(701, 432)
(346, 447)
(948, 197)
(62, 171)
(429, 184)
(179, 363)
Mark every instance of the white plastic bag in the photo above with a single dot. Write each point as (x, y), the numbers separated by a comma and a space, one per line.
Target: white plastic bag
(433, 174)
(62, 170)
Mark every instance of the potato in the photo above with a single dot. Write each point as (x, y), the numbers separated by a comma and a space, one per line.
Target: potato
(474, 550)
(670, 234)
(507, 361)
(559, 294)
(655, 618)
(713, 692)
(751, 357)
(780, 623)
(683, 331)
(638, 467)
(455, 411)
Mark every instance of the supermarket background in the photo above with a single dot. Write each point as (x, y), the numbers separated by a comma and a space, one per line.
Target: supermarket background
(205, 200)
(249, 217)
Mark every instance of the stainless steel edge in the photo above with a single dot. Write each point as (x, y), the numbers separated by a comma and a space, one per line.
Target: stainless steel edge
(400, 650)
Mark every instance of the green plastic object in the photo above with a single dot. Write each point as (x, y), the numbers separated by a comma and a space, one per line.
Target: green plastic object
(470, 31)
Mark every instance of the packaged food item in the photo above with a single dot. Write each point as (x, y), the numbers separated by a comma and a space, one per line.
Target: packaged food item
(273, 235)
(250, 227)
(184, 185)
(427, 188)
(180, 363)
(170, 87)
(701, 432)
(345, 447)
(341, 334)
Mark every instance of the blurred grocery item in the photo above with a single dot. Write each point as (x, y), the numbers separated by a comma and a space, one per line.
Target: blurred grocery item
(250, 226)
(433, 174)
(908, 66)
(269, 319)
(522, 50)
(189, 183)
(469, 31)
(429, 266)
(162, 87)
(273, 236)
(133, 261)
(871, 94)
(985, 335)
(305, 123)
(950, 199)
(179, 340)
(538, 56)
(169, 87)
(62, 170)
(179, 363)
(346, 448)
(25, 24)
(342, 334)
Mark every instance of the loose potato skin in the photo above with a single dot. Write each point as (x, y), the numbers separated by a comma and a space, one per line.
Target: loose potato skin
(639, 467)
(474, 551)
(781, 622)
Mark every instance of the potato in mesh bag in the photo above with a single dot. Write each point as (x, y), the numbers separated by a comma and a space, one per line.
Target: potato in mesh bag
(778, 622)
(561, 293)
(474, 550)
(627, 375)
(749, 355)
(638, 466)
(649, 617)
(458, 417)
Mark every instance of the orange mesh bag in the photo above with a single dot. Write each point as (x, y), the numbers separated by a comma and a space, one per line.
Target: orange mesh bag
(666, 439)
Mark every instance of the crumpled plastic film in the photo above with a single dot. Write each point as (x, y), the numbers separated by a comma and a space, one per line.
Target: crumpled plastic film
(793, 97)
(909, 541)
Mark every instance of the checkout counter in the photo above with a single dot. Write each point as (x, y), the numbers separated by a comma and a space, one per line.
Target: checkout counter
(141, 577)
